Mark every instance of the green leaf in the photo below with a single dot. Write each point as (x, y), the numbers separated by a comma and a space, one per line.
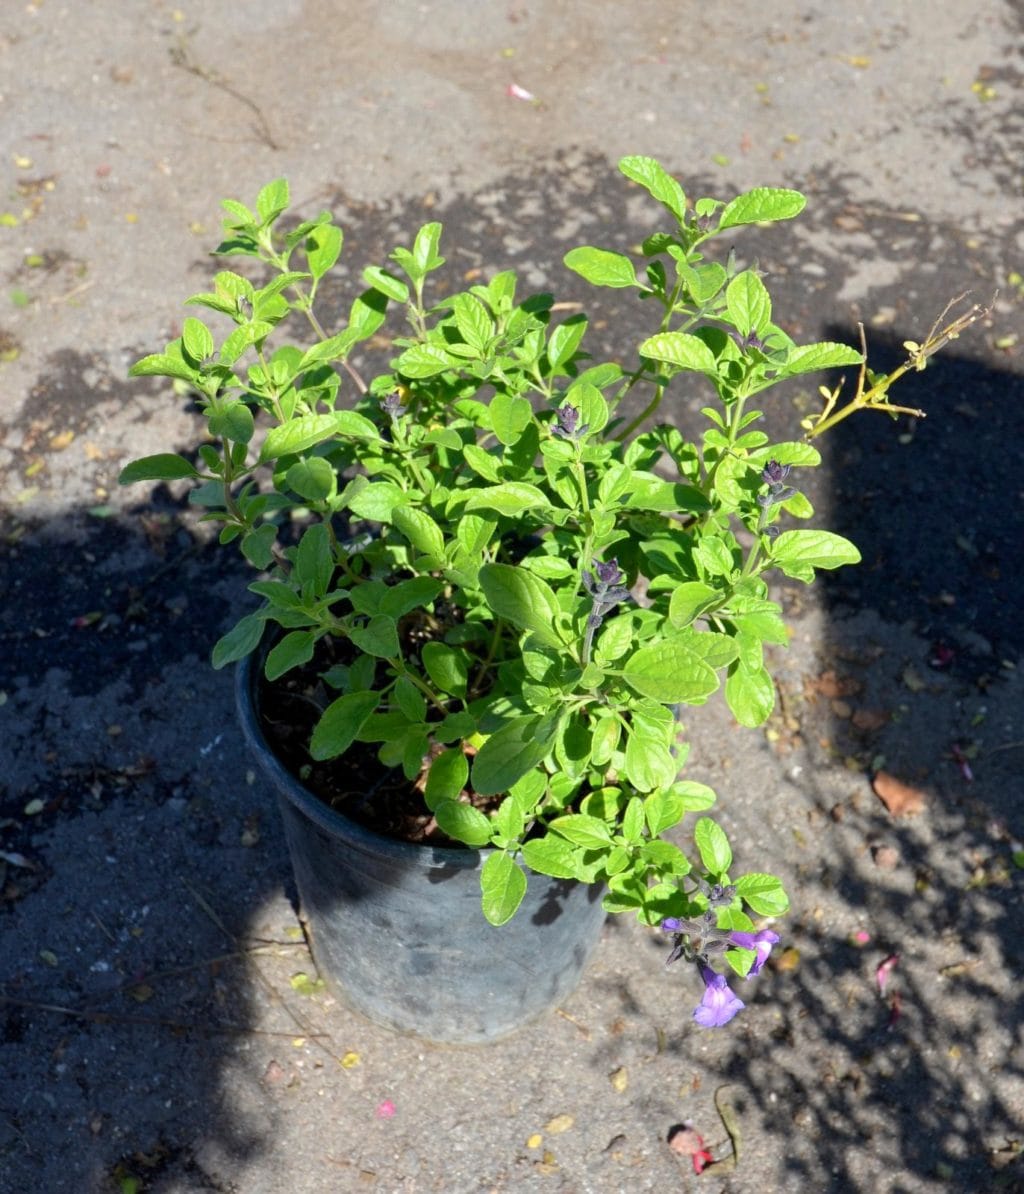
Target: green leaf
(475, 326)
(696, 798)
(482, 462)
(314, 560)
(668, 671)
(293, 650)
(550, 855)
(297, 435)
(510, 415)
(583, 830)
(764, 893)
(653, 177)
(241, 640)
(798, 552)
(523, 599)
(258, 546)
(446, 778)
(232, 420)
(565, 339)
(341, 722)
(272, 200)
(649, 764)
(509, 498)
(663, 810)
(761, 205)
(809, 358)
(196, 340)
(511, 752)
(420, 529)
(424, 360)
(424, 250)
(710, 840)
(502, 887)
(689, 600)
(681, 350)
(163, 364)
(446, 666)
(379, 637)
(323, 247)
(463, 822)
(750, 694)
(748, 303)
(410, 700)
(386, 283)
(165, 466)
(407, 595)
(601, 267)
(376, 501)
(312, 479)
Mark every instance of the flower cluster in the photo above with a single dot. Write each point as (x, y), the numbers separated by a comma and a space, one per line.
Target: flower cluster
(698, 941)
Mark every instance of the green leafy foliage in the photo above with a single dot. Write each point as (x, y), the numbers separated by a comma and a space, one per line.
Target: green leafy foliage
(472, 524)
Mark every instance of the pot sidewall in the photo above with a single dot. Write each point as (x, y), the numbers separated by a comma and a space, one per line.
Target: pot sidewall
(397, 928)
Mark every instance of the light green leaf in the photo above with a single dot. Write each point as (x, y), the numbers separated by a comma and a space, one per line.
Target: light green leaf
(297, 435)
(582, 830)
(386, 283)
(463, 822)
(424, 360)
(809, 358)
(750, 694)
(656, 180)
(601, 267)
(668, 671)
(795, 552)
(502, 887)
(511, 752)
(510, 415)
(681, 350)
(565, 339)
(764, 893)
(376, 501)
(523, 599)
(323, 247)
(748, 303)
(196, 340)
(272, 200)
(762, 204)
(509, 498)
(710, 840)
(696, 798)
(550, 855)
(312, 479)
(689, 600)
(420, 529)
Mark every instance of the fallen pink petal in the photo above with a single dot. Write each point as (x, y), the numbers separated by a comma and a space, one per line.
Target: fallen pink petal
(386, 1109)
(514, 91)
(885, 970)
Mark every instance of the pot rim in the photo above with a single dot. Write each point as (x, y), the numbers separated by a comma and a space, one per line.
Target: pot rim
(329, 819)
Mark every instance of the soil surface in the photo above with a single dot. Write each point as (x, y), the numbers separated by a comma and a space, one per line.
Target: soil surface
(161, 1026)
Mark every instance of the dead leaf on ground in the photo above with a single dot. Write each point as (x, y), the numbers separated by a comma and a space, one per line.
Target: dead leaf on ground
(899, 798)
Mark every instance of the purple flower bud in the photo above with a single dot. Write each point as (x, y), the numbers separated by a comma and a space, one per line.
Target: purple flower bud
(750, 340)
(719, 1003)
(567, 423)
(392, 405)
(774, 473)
(761, 943)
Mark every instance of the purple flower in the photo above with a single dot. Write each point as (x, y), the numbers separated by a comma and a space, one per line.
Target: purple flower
(774, 476)
(719, 1003)
(761, 943)
(567, 423)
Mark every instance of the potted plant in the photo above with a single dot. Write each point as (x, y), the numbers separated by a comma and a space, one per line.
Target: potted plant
(484, 591)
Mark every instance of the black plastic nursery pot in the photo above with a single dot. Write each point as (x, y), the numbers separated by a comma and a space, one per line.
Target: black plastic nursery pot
(396, 928)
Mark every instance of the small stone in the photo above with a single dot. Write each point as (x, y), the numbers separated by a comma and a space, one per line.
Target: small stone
(887, 858)
(899, 798)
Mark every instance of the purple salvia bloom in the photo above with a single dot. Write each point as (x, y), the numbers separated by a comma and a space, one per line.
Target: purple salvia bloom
(719, 1004)
(567, 423)
(761, 943)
